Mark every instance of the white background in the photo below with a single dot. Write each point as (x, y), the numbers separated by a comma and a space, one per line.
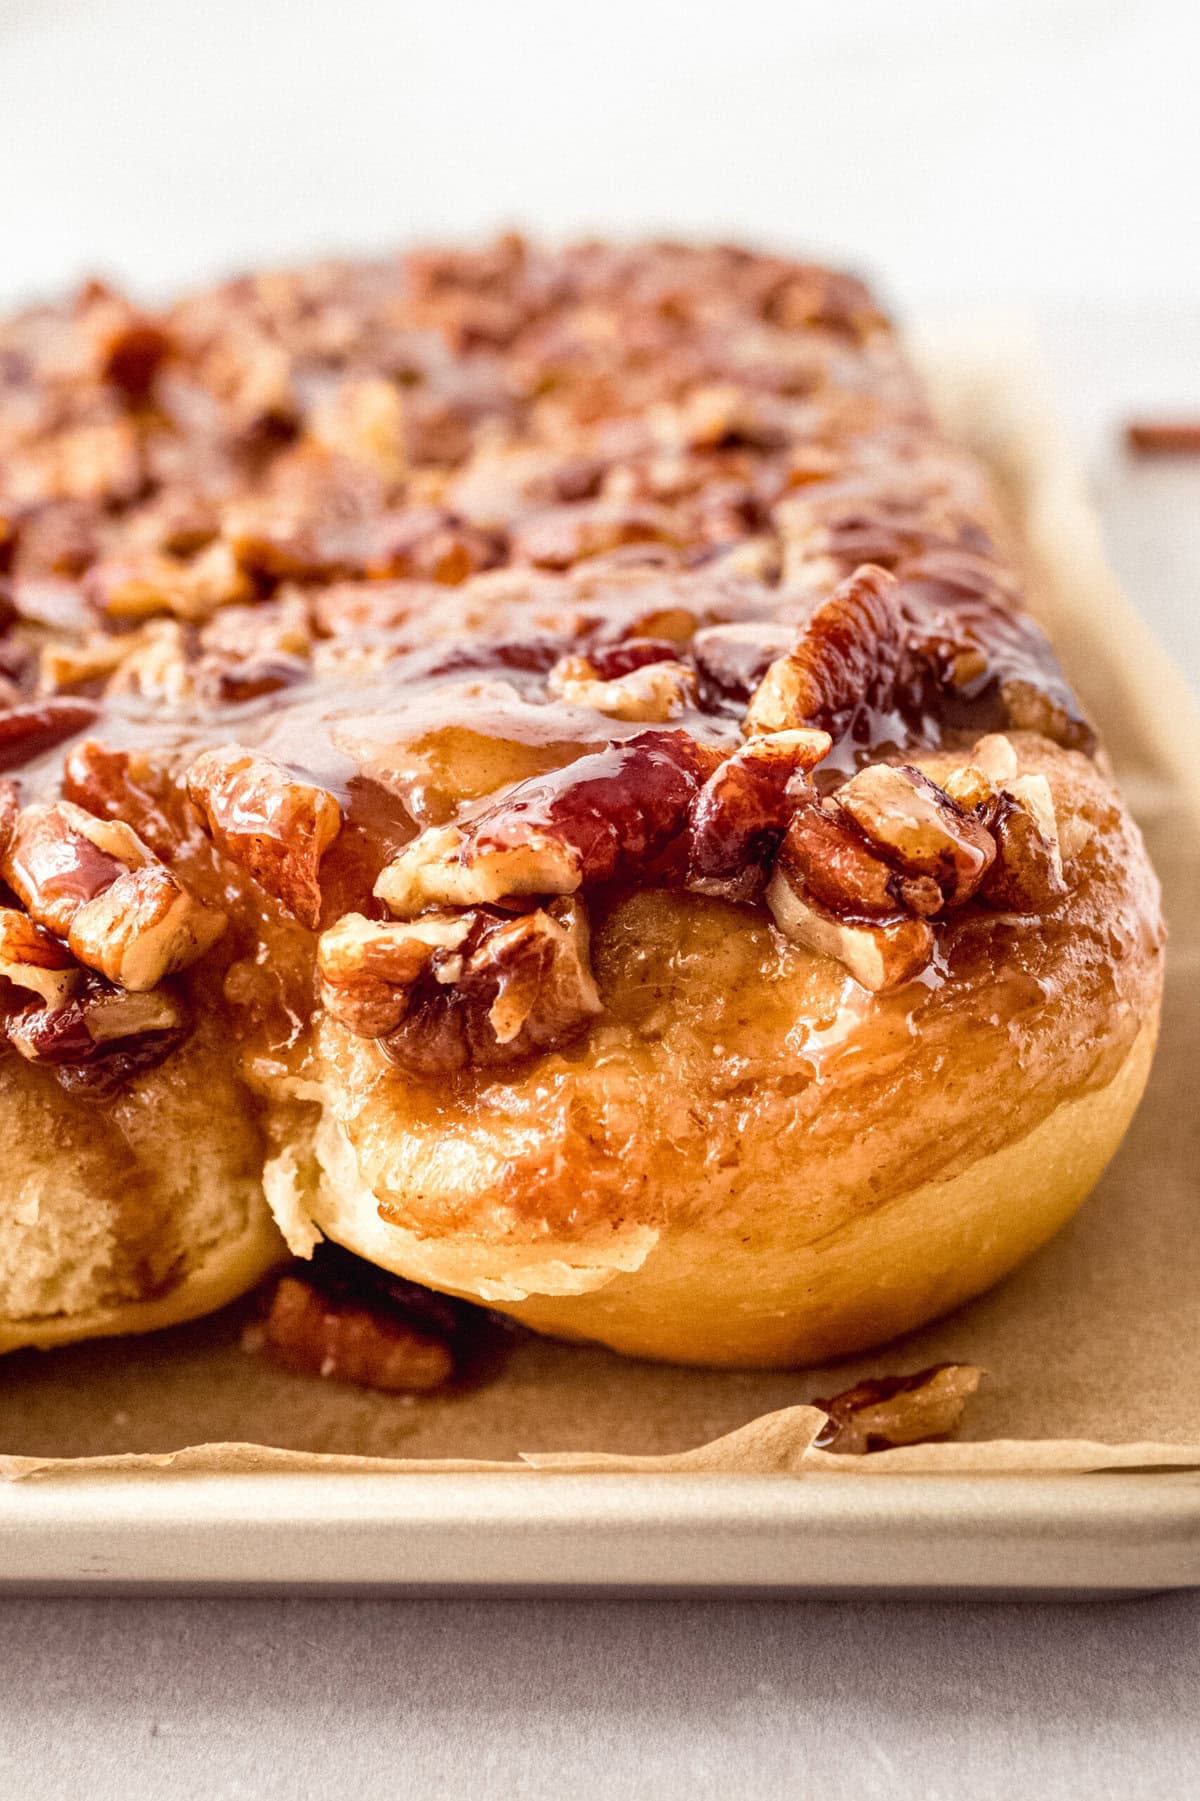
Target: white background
(965, 151)
(963, 148)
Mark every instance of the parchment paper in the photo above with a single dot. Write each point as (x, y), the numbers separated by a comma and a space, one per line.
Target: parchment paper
(1092, 1352)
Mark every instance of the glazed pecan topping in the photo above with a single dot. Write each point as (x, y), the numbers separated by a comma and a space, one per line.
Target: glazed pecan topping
(621, 811)
(516, 494)
(29, 729)
(453, 989)
(916, 825)
(101, 1037)
(278, 829)
(95, 884)
(32, 958)
(737, 820)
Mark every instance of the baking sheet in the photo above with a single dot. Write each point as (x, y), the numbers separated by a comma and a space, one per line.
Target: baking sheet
(1091, 1350)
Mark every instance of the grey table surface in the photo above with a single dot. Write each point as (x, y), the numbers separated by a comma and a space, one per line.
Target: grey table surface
(265, 1698)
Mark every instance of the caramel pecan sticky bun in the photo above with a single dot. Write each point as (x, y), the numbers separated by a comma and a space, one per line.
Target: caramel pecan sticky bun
(536, 767)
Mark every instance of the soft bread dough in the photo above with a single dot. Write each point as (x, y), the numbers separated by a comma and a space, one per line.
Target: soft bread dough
(788, 1167)
(132, 1214)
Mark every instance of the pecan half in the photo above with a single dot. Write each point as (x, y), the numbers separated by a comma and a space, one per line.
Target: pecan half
(619, 811)
(94, 883)
(277, 828)
(740, 815)
(898, 1410)
(33, 958)
(850, 654)
(125, 785)
(918, 827)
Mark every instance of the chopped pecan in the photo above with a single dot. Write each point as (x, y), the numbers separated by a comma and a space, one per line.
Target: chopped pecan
(31, 957)
(850, 655)
(918, 827)
(128, 347)
(368, 970)
(222, 683)
(36, 726)
(363, 418)
(995, 756)
(881, 956)
(897, 1410)
(740, 815)
(124, 785)
(101, 1037)
(344, 1339)
(618, 811)
(559, 536)
(1031, 708)
(191, 589)
(94, 883)
(517, 986)
(611, 661)
(836, 867)
(733, 658)
(277, 828)
(1027, 875)
(158, 666)
(654, 693)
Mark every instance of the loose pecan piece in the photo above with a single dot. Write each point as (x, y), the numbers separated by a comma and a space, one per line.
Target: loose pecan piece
(898, 1410)
(918, 827)
(94, 883)
(617, 811)
(277, 828)
(33, 958)
(740, 815)
(338, 1337)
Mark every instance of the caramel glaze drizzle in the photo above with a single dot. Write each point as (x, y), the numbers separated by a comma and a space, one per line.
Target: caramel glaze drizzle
(346, 515)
